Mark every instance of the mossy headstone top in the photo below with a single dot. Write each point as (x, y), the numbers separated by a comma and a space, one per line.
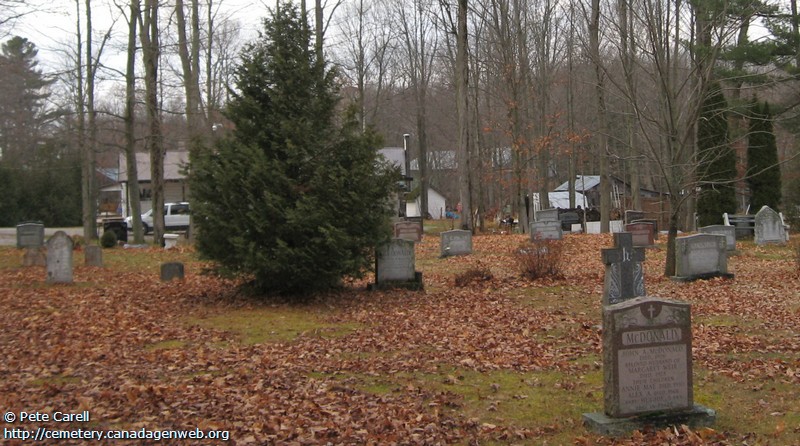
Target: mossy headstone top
(59, 258)
(624, 277)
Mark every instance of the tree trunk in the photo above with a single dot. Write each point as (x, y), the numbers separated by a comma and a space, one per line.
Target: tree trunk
(462, 81)
(130, 137)
(601, 136)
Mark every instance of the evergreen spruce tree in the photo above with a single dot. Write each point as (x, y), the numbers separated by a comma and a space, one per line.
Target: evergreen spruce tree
(764, 173)
(717, 161)
(291, 198)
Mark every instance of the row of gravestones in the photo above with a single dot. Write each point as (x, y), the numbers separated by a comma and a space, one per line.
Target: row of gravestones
(56, 254)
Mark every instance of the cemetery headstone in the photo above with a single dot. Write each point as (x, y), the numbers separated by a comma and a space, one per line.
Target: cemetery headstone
(701, 256)
(93, 255)
(30, 235)
(546, 230)
(547, 215)
(34, 257)
(650, 220)
(769, 227)
(456, 242)
(172, 270)
(395, 265)
(643, 233)
(624, 277)
(647, 368)
(59, 258)
(632, 215)
(408, 230)
(729, 232)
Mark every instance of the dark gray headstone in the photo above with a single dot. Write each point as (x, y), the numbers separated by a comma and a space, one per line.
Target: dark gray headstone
(456, 242)
(59, 258)
(647, 357)
(633, 215)
(643, 233)
(769, 227)
(395, 262)
(701, 256)
(93, 255)
(547, 215)
(546, 230)
(30, 235)
(172, 270)
(624, 270)
(408, 230)
(729, 232)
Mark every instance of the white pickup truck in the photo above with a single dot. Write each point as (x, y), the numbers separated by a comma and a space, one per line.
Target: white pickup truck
(176, 218)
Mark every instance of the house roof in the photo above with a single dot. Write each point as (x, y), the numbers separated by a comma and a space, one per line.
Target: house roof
(174, 165)
(396, 156)
(582, 183)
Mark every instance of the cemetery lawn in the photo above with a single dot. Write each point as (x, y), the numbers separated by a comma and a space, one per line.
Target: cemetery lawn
(502, 361)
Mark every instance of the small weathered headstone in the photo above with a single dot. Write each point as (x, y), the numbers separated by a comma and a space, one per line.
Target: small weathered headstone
(395, 265)
(624, 277)
(408, 230)
(547, 215)
(171, 270)
(456, 242)
(30, 235)
(701, 256)
(643, 233)
(647, 368)
(546, 230)
(769, 227)
(633, 215)
(729, 232)
(34, 257)
(59, 258)
(93, 255)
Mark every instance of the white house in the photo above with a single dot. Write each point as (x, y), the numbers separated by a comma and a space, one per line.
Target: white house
(436, 205)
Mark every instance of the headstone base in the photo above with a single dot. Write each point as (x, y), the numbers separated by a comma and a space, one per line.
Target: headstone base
(415, 285)
(699, 416)
(705, 276)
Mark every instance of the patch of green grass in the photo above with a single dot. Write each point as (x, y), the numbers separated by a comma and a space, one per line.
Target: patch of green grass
(135, 259)
(563, 297)
(274, 324)
(55, 380)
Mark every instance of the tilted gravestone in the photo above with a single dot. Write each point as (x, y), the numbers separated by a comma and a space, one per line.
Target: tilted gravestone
(701, 256)
(395, 265)
(408, 230)
(456, 242)
(30, 235)
(546, 230)
(59, 258)
(643, 233)
(647, 368)
(769, 227)
(547, 215)
(172, 270)
(93, 255)
(624, 277)
(729, 232)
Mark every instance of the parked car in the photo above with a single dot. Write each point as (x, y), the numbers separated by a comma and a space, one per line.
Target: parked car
(176, 218)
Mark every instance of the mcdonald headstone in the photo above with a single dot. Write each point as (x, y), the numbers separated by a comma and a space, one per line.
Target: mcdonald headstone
(59, 258)
(30, 235)
(701, 256)
(729, 232)
(624, 277)
(769, 227)
(456, 242)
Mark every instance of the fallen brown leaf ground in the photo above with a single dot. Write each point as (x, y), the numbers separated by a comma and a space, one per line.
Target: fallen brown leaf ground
(502, 361)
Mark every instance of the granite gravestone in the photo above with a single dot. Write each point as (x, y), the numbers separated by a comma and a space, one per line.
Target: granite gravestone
(547, 215)
(546, 230)
(653, 221)
(408, 230)
(769, 227)
(172, 270)
(93, 255)
(647, 367)
(59, 258)
(701, 256)
(395, 265)
(729, 232)
(30, 235)
(624, 277)
(456, 242)
(643, 233)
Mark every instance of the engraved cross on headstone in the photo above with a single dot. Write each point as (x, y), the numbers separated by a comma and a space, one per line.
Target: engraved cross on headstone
(624, 272)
